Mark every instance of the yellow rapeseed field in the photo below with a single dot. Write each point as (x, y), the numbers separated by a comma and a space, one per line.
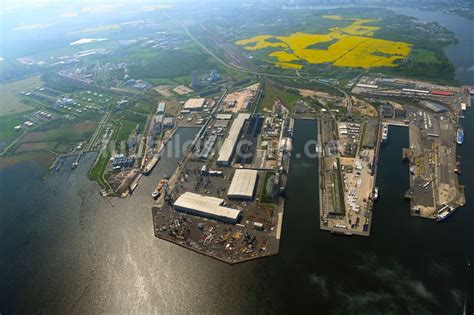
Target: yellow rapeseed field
(349, 46)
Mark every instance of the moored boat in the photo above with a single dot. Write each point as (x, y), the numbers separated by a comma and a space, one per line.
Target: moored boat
(460, 136)
(458, 169)
(384, 133)
(151, 164)
(444, 213)
(159, 189)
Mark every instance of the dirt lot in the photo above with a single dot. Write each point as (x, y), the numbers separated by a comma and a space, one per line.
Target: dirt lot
(364, 108)
(241, 98)
(164, 90)
(182, 90)
(313, 93)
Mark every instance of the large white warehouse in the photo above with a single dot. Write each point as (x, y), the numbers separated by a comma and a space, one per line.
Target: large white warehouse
(206, 206)
(228, 147)
(195, 104)
(243, 184)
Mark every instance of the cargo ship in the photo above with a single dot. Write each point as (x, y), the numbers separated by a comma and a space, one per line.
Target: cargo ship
(151, 164)
(460, 136)
(444, 212)
(159, 189)
(384, 133)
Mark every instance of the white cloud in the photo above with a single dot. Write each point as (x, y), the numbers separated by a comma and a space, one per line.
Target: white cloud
(99, 8)
(68, 15)
(157, 7)
(31, 27)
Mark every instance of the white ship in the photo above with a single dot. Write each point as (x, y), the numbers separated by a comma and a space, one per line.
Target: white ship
(376, 193)
(444, 212)
(384, 133)
(151, 164)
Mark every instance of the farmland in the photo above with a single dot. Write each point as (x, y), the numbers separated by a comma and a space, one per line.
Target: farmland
(11, 102)
(58, 138)
(353, 46)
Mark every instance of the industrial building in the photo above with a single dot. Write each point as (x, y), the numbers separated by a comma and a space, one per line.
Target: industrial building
(206, 206)
(157, 124)
(161, 108)
(442, 93)
(437, 108)
(243, 184)
(208, 145)
(122, 161)
(221, 123)
(195, 104)
(228, 147)
(195, 82)
(367, 86)
(224, 116)
(386, 110)
(168, 122)
(248, 139)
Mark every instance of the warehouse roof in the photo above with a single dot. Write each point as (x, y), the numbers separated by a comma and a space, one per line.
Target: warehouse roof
(221, 123)
(161, 108)
(194, 103)
(437, 108)
(206, 206)
(228, 146)
(224, 116)
(243, 183)
(206, 150)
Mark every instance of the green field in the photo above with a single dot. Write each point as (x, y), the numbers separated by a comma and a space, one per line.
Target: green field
(264, 198)
(99, 169)
(168, 65)
(97, 172)
(273, 93)
(56, 136)
(423, 56)
(145, 107)
(128, 124)
(10, 101)
(7, 125)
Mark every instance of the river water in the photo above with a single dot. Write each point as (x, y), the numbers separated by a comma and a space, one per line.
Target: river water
(63, 248)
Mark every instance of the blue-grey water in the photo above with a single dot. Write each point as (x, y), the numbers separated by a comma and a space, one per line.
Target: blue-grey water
(63, 248)
(461, 54)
